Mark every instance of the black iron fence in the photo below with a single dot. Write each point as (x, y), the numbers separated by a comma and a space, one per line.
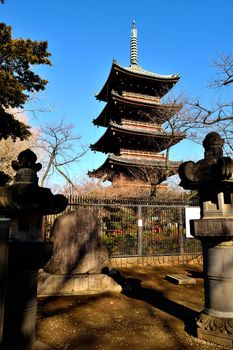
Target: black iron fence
(139, 227)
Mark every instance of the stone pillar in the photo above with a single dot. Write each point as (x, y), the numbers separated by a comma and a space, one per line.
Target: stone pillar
(4, 247)
(218, 272)
(212, 178)
(24, 261)
(25, 203)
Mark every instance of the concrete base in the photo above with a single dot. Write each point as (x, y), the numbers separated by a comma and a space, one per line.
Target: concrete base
(215, 330)
(65, 285)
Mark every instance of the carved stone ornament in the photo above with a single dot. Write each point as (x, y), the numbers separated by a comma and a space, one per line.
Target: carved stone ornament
(26, 167)
(215, 324)
(24, 195)
(214, 170)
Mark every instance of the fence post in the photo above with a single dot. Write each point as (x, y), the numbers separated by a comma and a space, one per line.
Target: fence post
(140, 230)
(181, 230)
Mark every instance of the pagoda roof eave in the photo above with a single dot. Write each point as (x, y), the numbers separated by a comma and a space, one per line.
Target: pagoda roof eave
(135, 69)
(100, 145)
(136, 72)
(112, 158)
(116, 165)
(104, 118)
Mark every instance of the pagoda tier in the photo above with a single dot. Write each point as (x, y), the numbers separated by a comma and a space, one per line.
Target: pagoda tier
(145, 169)
(141, 136)
(135, 79)
(134, 116)
(137, 107)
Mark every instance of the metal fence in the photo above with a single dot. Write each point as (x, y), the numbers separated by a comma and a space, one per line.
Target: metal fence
(138, 227)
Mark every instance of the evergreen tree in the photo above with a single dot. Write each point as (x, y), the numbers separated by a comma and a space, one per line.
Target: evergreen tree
(17, 79)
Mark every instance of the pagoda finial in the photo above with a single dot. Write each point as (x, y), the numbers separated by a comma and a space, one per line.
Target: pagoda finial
(134, 45)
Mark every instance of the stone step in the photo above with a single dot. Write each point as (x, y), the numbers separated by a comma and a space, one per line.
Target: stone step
(180, 279)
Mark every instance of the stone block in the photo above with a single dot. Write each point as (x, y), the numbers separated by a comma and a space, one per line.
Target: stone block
(161, 260)
(77, 245)
(132, 261)
(150, 261)
(61, 285)
(123, 262)
(181, 259)
(176, 260)
(180, 279)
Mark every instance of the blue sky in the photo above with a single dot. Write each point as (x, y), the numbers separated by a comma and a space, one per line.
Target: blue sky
(84, 36)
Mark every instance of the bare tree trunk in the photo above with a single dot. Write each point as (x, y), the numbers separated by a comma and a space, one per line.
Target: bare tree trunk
(167, 159)
(50, 163)
(66, 177)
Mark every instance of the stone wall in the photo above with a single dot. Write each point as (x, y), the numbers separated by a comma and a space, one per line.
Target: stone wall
(155, 260)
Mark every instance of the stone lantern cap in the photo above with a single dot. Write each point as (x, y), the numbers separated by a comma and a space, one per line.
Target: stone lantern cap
(212, 174)
(24, 194)
(212, 177)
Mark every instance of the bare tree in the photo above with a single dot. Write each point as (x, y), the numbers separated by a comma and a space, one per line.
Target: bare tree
(60, 150)
(218, 117)
(224, 66)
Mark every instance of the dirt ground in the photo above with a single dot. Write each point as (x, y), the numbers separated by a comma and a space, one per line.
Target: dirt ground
(150, 314)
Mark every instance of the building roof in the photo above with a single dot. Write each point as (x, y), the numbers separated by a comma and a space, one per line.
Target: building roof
(141, 168)
(135, 107)
(136, 79)
(125, 136)
(141, 162)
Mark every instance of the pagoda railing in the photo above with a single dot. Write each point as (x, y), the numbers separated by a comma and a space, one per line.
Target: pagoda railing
(138, 226)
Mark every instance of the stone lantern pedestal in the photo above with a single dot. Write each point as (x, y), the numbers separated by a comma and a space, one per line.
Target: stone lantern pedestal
(23, 252)
(212, 178)
(215, 323)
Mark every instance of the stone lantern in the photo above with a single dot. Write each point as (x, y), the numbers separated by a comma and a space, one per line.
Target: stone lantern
(23, 251)
(212, 177)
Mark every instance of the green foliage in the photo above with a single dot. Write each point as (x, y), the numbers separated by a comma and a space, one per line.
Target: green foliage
(12, 127)
(17, 80)
(122, 244)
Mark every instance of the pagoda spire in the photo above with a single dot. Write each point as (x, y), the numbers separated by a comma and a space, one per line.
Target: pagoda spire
(134, 46)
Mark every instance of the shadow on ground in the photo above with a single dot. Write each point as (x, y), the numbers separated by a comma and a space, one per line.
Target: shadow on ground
(151, 313)
(132, 288)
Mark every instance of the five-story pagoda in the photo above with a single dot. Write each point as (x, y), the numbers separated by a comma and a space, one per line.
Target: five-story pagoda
(133, 116)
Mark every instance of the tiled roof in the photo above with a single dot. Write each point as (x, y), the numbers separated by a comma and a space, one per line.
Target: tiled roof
(116, 164)
(155, 84)
(159, 138)
(141, 162)
(138, 70)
